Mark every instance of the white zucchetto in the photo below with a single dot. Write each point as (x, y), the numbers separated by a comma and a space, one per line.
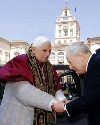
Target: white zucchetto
(38, 41)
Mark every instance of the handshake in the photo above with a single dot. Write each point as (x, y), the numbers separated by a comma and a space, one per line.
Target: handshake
(60, 105)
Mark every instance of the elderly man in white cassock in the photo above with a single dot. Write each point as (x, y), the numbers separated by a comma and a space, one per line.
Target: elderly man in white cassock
(31, 88)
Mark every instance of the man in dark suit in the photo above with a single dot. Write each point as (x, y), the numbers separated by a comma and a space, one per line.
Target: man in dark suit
(98, 51)
(83, 61)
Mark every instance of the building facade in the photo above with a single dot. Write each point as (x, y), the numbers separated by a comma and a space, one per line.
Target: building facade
(4, 51)
(10, 49)
(67, 31)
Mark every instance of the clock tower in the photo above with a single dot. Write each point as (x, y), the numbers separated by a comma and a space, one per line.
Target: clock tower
(67, 29)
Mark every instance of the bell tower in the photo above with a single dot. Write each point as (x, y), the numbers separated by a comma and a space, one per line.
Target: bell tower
(67, 29)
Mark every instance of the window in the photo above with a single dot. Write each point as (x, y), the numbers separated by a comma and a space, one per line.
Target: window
(65, 41)
(59, 26)
(66, 13)
(65, 26)
(1, 53)
(59, 42)
(59, 33)
(65, 18)
(60, 58)
(52, 57)
(71, 41)
(6, 57)
(71, 25)
(66, 33)
(71, 32)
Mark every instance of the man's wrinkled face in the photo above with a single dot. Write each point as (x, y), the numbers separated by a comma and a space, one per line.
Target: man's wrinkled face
(42, 52)
(76, 63)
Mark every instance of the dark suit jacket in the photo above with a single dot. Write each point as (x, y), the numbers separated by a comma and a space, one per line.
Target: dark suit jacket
(90, 101)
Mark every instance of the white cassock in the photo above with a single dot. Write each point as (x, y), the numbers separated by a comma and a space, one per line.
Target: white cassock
(19, 100)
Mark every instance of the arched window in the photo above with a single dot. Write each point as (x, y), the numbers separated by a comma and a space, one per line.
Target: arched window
(60, 58)
(52, 57)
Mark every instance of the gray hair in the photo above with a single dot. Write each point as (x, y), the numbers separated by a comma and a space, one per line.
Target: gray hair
(76, 47)
(38, 41)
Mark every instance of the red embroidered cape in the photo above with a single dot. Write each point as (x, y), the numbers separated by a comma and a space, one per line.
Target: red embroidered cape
(18, 69)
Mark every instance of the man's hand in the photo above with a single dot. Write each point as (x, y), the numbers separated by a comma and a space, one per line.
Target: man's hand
(59, 105)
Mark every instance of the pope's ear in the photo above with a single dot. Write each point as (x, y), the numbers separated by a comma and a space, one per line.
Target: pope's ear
(33, 49)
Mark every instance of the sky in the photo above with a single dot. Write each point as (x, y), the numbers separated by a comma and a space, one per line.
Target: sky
(27, 19)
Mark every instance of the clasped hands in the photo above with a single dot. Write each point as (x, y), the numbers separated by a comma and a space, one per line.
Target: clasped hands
(59, 105)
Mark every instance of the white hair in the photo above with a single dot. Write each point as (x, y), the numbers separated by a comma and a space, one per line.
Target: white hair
(38, 41)
(76, 47)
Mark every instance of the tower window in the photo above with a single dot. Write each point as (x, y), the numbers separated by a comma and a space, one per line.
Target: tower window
(59, 33)
(59, 42)
(71, 32)
(66, 33)
(65, 25)
(65, 13)
(59, 26)
(65, 18)
(71, 25)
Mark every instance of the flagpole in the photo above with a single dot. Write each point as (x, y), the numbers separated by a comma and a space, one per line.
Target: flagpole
(66, 2)
(75, 13)
(75, 9)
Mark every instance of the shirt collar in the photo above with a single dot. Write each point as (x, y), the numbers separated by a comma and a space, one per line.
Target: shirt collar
(88, 61)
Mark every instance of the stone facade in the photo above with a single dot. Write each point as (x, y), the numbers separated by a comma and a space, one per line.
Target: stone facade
(67, 31)
(10, 49)
(4, 51)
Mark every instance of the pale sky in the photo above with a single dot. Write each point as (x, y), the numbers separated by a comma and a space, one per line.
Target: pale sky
(27, 19)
